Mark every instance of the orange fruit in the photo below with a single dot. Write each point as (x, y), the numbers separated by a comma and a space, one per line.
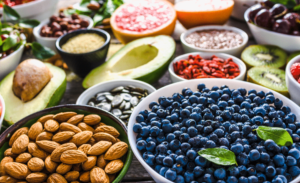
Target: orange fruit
(143, 18)
(192, 13)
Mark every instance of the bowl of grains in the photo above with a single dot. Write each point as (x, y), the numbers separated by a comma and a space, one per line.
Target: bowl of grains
(214, 39)
(83, 50)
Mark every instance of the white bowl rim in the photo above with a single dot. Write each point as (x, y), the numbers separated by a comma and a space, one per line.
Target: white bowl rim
(288, 69)
(32, 3)
(82, 95)
(265, 30)
(131, 121)
(3, 109)
(218, 27)
(37, 29)
(15, 52)
(222, 55)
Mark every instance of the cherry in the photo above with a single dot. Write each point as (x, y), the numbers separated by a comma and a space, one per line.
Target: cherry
(254, 11)
(278, 10)
(263, 18)
(267, 3)
(293, 18)
(282, 26)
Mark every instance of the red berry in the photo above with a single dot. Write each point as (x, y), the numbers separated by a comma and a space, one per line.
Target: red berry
(295, 70)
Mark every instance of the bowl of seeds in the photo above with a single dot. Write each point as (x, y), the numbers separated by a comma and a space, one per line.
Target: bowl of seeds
(118, 97)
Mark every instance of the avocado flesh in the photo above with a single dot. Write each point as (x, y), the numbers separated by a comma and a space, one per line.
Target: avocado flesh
(49, 96)
(144, 59)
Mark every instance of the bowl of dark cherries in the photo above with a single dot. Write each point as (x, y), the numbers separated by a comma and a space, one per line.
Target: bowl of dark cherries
(274, 24)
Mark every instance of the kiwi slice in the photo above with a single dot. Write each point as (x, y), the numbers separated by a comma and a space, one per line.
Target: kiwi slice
(293, 55)
(268, 77)
(264, 55)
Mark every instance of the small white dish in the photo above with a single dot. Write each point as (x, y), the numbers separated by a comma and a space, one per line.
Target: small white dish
(289, 43)
(2, 112)
(292, 84)
(50, 41)
(240, 63)
(169, 90)
(188, 48)
(240, 6)
(84, 98)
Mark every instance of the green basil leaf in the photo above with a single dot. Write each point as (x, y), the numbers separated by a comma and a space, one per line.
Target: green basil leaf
(85, 2)
(279, 135)
(40, 51)
(219, 156)
(29, 23)
(11, 13)
(297, 8)
(1, 42)
(288, 3)
(9, 42)
(69, 12)
(98, 18)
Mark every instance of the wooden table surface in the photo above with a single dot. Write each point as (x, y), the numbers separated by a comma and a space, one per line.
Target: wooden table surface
(136, 172)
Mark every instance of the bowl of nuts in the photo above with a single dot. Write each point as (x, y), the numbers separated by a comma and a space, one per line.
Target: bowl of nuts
(49, 30)
(66, 143)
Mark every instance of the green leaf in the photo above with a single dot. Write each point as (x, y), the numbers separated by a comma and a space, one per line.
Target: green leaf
(279, 135)
(98, 18)
(9, 42)
(69, 12)
(29, 23)
(297, 8)
(85, 2)
(288, 3)
(40, 51)
(11, 13)
(1, 42)
(219, 156)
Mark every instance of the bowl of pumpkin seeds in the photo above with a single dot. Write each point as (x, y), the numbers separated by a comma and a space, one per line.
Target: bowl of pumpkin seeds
(118, 97)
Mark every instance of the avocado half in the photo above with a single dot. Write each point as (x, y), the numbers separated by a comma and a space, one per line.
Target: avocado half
(50, 96)
(145, 59)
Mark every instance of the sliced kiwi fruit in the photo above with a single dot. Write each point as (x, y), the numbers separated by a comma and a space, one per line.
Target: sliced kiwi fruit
(264, 55)
(269, 77)
(293, 55)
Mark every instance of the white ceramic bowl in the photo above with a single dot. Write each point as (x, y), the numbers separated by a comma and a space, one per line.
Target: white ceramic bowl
(240, 63)
(168, 91)
(240, 6)
(84, 98)
(38, 9)
(10, 62)
(232, 51)
(2, 112)
(292, 84)
(263, 36)
(50, 41)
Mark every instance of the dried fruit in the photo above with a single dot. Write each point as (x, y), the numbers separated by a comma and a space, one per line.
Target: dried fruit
(81, 137)
(99, 148)
(2, 164)
(116, 151)
(51, 125)
(108, 129)
(20, 145)
(72, 176)
(17, 170)
(56, 178)
(50, 165)
(85, 127)
(43, 119)
(35, 151)
(63, 168)
(92, 119)
(17, 134)
(89, 163)
(62, 137)
(104, 136)
(48, 146)
(23, 158)
(36, 164)
(35, 130)
(98, 175)
(64, 116)
(69, 127)
(36, 177)
(75, 119)
(44, 136)
(55, 155)
(84, 148)
(101, 162)
(114, 166)
(73, 157)
(85, 177)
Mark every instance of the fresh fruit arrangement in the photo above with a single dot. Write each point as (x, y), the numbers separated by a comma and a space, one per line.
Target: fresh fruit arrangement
(295, 70)
(12, 3)
(220, 135)
(195, 67)
(64, 147)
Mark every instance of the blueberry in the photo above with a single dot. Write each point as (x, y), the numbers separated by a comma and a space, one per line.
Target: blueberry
(270, 99)
(200, 161)
(192, 131)
(208, 178)
(296, 137)
(258, 120)
(141, 145)
(184, 137)
(264, 157)
(238, 148)
(220, 173)
(188, 176)
(247, 148)
(294, 171)
(245, 105)
(283, 178)
(260, 167)
(235, 135)
(295, 153)
(207, 129)
(150, 159)
(233, 128)
(224, 142)
(251, 171)
(219, 132)
(243, 179)
(290, 118)
(242, 170)
(150, 146)
(278, 103)
(201, 86)
(137, 128)
(234, 171)
(261, 177)
(157, 168)
(214, 138)
(291, 161)
(232, 179)
(198, 171)
(163, 171)
(253, 179)
(191, 154)
(270, 171)
(254, 155)
(171, 174)
(210, 144)
(270, 145)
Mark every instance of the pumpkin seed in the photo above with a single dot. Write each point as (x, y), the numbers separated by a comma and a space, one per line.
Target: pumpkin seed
(124, 117)
(116, 112)
(126, 96)
(117, 100)
(127, 106)
(104, 106)
(109, 97)
(122, 105)
(117, 89)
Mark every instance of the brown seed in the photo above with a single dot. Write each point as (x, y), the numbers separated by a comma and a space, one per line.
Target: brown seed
(17, 170)
(73, 157)
(85, 127)
(17, 134)
(98, 175)
(62, 137)
(116, 151)
(85, 177)
(72, 176)
(64, 116)
(7, 179)
(35, 130)
(35, 151)
(92, 119)
(81, 137)
(20, 145)
(89, 163)
(50, 165)
(45, 118)
(36, 177)
(63, 168)
(75, 119)
(84, 148)
(36, 164)
(23, 158)
(55, 155)
(114, 166)
(93, 6)
(44, 136)
(2, 164)
(104, 136)
(99, 148)
(101, 162)
(8, 152)
(107, 129)
(48, 146)
(56, 178)
(51, 125)
(69, 127)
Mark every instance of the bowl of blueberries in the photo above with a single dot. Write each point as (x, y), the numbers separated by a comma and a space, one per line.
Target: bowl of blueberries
(217, 131)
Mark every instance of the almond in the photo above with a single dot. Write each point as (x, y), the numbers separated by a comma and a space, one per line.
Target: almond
(99, 148)
(63, 168)
(62, 137)
(84, 148)
(20, 145)
(50, 165)
(36, 177)
(55, 155)
(92, 119)
(44, 136)
(116, 151)
(51, 125)
(101, 162)
(118, 140)
(17, 170)
(73, 157)
(64, 116)
(107, 129)
(92, 141)
(56, 178)
(85, 127)
(69, 127)
(85, 177)
(76, 167)
(23, 158)
(114, 166)
(48, 146)
(111, 177)
(98, 175)
(7, 179)
(104, 136)
(36, 164)
(17, 134)
(75, 119)
(89, 163)
(35, 151)
(72, 176)
(8, 152)
(2, 164)
(81, 137)
(35, 130)
(43, 119)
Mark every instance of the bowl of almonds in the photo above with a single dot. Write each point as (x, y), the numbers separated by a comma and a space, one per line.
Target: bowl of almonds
(67, 143)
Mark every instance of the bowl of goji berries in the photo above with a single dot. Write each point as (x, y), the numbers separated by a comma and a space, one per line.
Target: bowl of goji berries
(292, 78)
(199, 65)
